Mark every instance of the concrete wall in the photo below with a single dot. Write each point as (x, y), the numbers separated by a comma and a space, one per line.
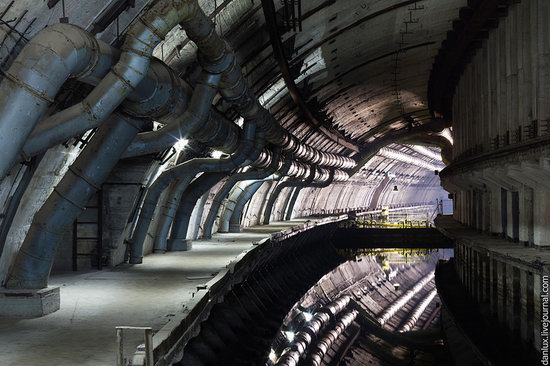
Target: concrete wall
(500, 106)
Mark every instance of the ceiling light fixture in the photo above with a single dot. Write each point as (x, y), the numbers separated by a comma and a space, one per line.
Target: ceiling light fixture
(216, 154)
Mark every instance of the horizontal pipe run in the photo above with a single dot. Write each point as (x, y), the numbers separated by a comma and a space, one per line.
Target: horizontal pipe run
(34, 79)
(296, 193)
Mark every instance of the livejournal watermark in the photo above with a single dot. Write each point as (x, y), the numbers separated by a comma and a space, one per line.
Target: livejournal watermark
(544, 321)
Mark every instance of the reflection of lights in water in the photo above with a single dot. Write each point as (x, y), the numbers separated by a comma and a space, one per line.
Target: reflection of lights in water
(216, 154)
(181, 144)
(290, 336)
(393, 255)
(272, 356)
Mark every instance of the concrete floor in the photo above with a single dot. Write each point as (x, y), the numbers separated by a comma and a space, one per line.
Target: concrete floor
(82, 332)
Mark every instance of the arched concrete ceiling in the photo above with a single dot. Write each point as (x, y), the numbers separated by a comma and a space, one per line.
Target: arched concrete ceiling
(361, 65)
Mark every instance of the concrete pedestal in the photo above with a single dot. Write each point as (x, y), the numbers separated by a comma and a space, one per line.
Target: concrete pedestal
(29, 303)
(179, 245)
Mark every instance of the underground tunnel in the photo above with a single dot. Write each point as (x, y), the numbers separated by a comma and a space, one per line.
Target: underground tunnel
(274, 182)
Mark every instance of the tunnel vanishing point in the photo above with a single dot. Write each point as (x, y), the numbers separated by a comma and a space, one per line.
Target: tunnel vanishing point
(274, 182)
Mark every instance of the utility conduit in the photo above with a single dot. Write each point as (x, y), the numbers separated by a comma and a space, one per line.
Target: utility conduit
(256, 174)
(321, 184)
(400, 156)
(288, 183)
(231, 216)
(310, 331)
(326, 342)
(131, 68)
(188, 198)
(418, 311)
(84, 177)
(397, 305)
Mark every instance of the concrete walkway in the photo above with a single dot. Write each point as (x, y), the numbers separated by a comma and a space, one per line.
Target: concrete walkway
(505, 250)
(82, 332)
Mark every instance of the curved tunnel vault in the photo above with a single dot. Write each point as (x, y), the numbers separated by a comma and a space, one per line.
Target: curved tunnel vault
(134, 132)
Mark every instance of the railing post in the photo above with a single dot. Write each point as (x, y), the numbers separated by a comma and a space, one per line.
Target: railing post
(120, 347)
(148, 341)
(149, 347)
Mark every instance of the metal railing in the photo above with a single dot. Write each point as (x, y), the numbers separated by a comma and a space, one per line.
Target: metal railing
(148, 345)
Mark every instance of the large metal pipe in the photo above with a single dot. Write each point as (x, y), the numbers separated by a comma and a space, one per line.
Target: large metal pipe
(140, 40)
(310, 331)
(190, 152)
(322, 184)
(112, 89)
(325, 343)
(34, 260)
(197, 116)
(161, 96)
(257, 174)
(235, 90)
(404, 299)
(171, 210)
(34, 79)
(180, 227)
(183, 174)
(132, 67)
(288, 183)
(418, 311)
(230, 220)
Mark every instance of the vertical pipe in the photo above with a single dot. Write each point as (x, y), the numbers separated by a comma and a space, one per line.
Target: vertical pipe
(189, 199)
(226, 188)
(280, 187)
(34, 260)
(233, 222)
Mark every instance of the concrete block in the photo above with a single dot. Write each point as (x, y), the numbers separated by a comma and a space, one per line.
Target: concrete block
(29, 303)
(179, 245)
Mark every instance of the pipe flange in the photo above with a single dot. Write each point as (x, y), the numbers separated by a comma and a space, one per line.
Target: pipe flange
(219, 67)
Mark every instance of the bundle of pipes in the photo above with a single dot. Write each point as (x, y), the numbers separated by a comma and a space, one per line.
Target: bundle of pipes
(401, 301)
(321, 184)
(64, 51)
(155, 92)
(230, 218)
(234, 90)
(418, 311)
(317, 177)
(326, 342)
(310, 331)
(252, 174)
